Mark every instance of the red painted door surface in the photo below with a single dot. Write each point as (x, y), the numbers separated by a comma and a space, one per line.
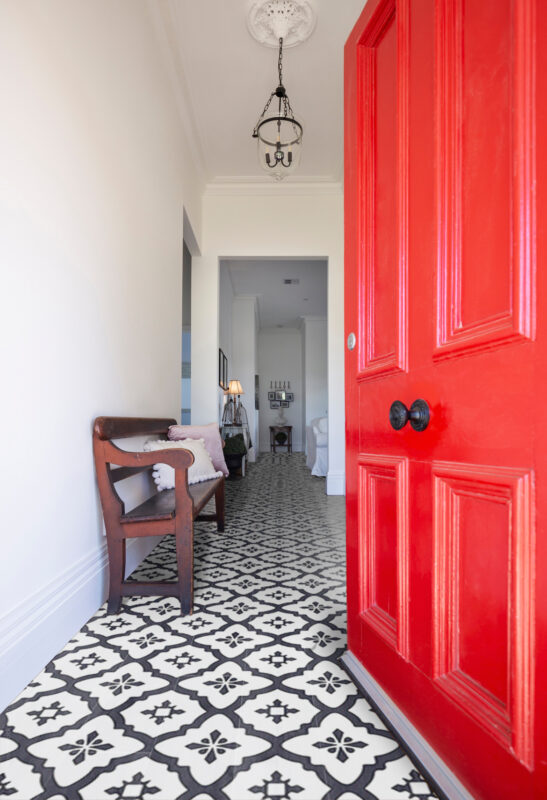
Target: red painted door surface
(446, 156)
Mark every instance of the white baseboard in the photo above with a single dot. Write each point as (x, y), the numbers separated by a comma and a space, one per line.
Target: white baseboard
(33, 632)
(415, 742)
(296, 448)
(336, 482)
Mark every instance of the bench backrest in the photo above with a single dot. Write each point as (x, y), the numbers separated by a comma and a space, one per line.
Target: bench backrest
(124, 427)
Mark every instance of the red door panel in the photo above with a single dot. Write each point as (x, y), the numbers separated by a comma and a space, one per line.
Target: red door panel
(383, 500)
(483, 556)
(485, 110)
(443, 139)
(382, 279)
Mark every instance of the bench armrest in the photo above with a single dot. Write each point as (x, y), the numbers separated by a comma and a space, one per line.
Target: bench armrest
(178, 458)
(107, 454)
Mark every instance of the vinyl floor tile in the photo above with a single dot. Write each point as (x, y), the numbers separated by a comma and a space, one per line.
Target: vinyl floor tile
(243, 700)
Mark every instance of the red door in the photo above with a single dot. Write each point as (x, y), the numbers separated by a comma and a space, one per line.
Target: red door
(446, 136)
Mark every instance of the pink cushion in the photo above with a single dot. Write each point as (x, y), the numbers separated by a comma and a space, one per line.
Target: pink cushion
(213, 442)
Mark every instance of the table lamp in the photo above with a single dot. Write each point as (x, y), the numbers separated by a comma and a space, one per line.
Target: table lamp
(234, 409)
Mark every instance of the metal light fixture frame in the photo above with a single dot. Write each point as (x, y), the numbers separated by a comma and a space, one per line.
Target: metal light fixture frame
(282, 156)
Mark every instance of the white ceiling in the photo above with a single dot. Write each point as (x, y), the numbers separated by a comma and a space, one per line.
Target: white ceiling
(279, 304)
(228, 77)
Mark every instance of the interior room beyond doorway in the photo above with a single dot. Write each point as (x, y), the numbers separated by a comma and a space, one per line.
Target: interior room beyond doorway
(273, 332)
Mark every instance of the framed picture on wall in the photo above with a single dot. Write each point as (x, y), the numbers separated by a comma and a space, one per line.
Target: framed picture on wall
(271, 395)
(284, 403)
(222, 369)
(289, 396)
(280, 395)
(274, 403)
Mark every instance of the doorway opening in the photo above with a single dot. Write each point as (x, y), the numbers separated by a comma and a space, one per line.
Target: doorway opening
(273, 316)
(190, 250)
(186, 366)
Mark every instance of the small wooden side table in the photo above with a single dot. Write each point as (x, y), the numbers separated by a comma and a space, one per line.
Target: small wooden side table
(280, 429)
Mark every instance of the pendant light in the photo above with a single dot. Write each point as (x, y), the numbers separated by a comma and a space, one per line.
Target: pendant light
(278, 133)
(280, 24)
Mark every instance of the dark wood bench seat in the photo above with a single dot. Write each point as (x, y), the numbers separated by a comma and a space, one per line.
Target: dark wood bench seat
(162, 504)
(169, 512)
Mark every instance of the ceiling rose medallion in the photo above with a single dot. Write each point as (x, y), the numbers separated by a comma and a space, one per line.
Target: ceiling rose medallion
(271, 20)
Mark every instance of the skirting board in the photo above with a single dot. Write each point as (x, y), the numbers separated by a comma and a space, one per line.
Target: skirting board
(336, 482)
(33, 632)
(414, 741)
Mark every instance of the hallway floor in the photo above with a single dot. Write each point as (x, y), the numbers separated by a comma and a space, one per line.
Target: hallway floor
(243, 700)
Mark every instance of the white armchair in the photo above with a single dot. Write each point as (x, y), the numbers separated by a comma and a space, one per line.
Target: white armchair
(317, 446)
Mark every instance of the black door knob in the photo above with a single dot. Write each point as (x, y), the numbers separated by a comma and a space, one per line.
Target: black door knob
(418, 415)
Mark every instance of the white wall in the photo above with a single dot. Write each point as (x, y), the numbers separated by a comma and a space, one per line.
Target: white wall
(95, 173)
(226, 297)
(280, 358)
(315, 340)
(256, 412)
(237, 222)
(303, 410)
(245, 358)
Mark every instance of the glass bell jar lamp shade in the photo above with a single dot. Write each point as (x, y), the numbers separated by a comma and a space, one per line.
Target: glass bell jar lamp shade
(279, 145)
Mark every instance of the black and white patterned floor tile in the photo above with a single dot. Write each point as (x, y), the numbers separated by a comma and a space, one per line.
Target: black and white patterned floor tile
(243, 700)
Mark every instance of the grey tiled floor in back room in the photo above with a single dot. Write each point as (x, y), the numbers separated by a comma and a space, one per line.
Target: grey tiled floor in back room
(245, 699)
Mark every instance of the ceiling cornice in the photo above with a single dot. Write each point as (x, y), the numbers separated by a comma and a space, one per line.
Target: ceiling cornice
(283, 330)
(254, 187)
(166, 20)
(247, 297)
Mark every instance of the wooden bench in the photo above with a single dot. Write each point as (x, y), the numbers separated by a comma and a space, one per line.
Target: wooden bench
(168, 512)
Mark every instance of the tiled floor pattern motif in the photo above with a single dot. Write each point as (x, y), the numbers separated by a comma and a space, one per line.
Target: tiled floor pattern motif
(243, 700)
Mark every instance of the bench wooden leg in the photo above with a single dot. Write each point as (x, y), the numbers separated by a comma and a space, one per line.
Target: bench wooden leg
(116, 560)
(184, 540)
(219, 506)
